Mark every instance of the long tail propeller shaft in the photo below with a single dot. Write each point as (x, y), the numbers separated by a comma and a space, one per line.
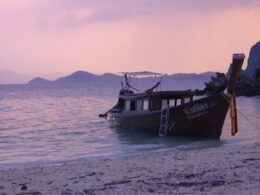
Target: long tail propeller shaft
(238, 60)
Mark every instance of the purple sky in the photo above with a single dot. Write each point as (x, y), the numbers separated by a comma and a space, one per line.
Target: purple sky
(46, 36)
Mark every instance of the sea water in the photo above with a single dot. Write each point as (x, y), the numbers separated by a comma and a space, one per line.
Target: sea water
(54, 124)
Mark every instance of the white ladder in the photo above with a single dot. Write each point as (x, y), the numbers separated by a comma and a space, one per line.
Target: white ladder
(164, 120)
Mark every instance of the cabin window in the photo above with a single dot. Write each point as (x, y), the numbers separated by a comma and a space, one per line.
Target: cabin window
(127, 105)
(146, 104)
(132, 105)
(186, 100)
(164, 103)
(177, 102)
(139, 105)
(171, 102)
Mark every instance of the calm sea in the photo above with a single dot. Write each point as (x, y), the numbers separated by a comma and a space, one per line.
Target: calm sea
(46, 125)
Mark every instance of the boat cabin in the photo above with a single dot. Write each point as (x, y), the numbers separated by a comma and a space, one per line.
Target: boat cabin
(150, 100)
(153, 101)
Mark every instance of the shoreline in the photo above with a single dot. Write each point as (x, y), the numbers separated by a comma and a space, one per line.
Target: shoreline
(228, 169)
(193, 145)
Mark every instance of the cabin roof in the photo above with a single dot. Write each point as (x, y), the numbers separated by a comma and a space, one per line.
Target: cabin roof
(142, 74)
(160, 94)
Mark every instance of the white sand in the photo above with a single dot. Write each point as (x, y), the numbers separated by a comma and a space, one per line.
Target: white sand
(228, 169)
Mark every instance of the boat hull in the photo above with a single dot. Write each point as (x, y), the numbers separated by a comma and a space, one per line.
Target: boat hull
(203, 117)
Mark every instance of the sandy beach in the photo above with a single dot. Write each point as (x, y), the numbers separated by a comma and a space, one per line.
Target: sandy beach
(227, 169)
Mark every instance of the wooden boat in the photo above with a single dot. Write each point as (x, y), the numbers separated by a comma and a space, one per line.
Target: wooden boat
(175, 112)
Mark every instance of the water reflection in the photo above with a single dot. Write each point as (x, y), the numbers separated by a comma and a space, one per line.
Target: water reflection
(152, 141)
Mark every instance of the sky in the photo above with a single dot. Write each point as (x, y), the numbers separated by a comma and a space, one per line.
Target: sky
(167, 36)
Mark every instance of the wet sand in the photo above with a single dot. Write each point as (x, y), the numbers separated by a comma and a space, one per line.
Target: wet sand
(227, 169)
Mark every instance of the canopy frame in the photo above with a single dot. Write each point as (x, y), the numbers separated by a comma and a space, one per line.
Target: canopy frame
(142, 74)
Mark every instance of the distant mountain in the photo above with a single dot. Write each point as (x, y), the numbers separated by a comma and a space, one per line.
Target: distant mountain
(10, 77)
(111, 76)
(39, 81)
(208, 74)
(77, 77)
(51, 76)
(190, 76)
(85, 77)
(253, 60)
